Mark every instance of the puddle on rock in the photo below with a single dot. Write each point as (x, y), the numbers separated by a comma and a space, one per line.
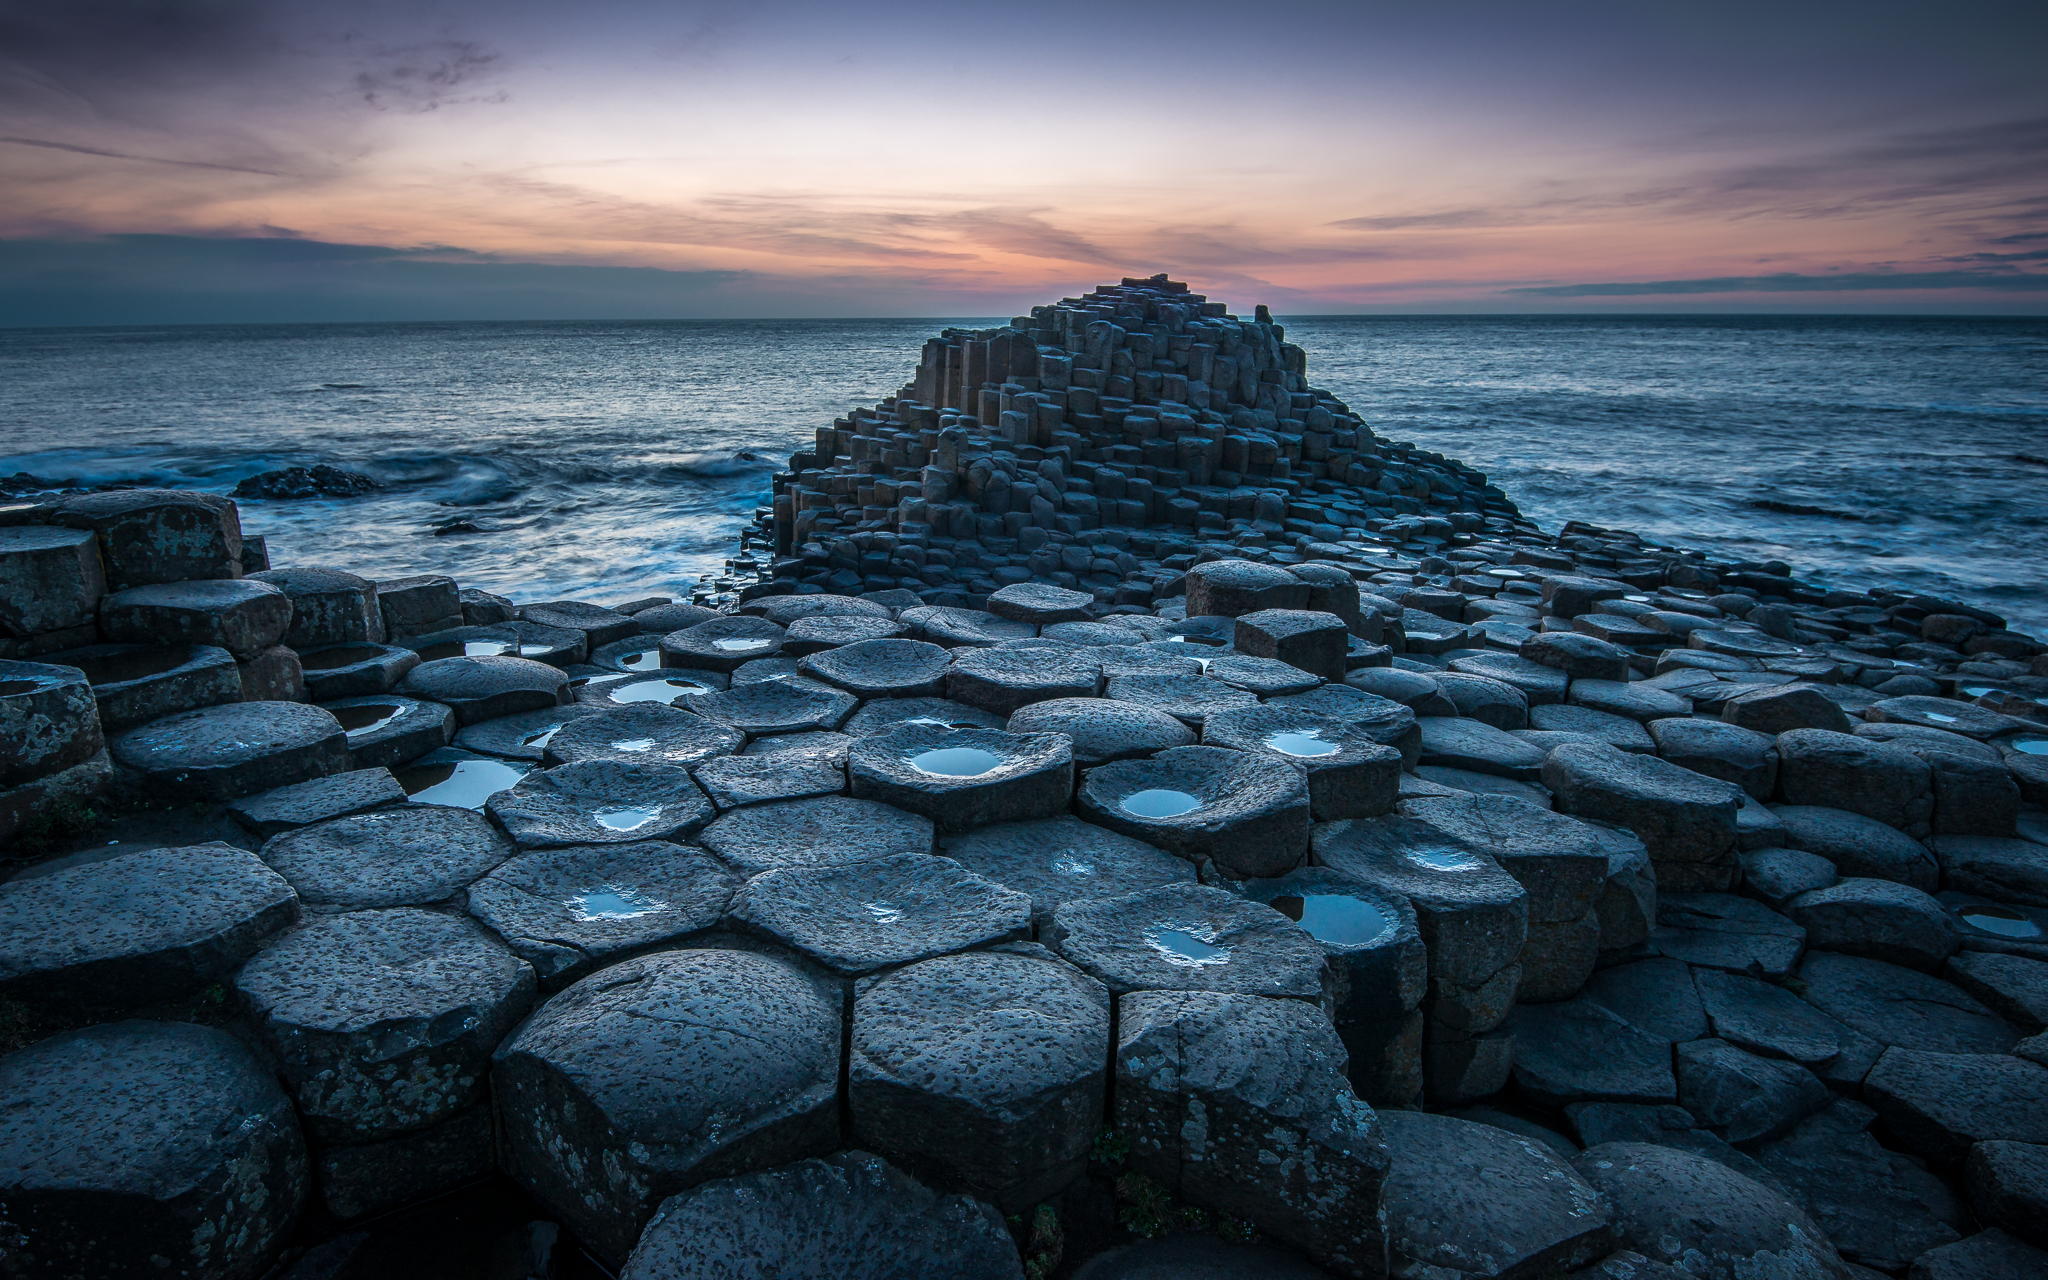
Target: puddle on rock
(1940, 717)
(626, 817)
(1158, 802)
(1445, 859)
(465, 649)
(365, 717)
(537, 650)
(334, 659)
(1306, 744)
(883, 912)
(956, 762)
(1186, 946)
(611, 902)
(1979, 690)
(542, 737)
(2003, 922)
(1335, 918)
(936, 723)
(465, 784)
(739, 644)
(633, 744)
(648, 659)
(2031, 745)
(667, 690)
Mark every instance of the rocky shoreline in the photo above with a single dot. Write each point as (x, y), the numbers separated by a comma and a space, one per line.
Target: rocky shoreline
(1117, 817)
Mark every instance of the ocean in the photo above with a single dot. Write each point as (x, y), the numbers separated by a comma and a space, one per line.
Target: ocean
(613, 460)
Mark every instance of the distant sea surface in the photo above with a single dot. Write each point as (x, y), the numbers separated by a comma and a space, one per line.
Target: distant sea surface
(611, 460)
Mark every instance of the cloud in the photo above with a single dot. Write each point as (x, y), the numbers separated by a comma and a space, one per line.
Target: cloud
(1794, 282)
(1442, 219)
(426, 77)
(76, 149)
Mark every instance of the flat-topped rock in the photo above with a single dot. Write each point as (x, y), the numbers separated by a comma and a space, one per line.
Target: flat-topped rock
(240, 615)
(50, 580)
(817, 831)
(235, 749)
(329, 606)
(569, 910)
(193, 1151)
(600, 802)
(1528, 1213)
(1686, 820)
(849, 1216)
(1210, 1085)
(1040, 603)
(1248, 814)
(778, 705)
(886, 668)
(1712, 1222)
(1473, 915)
(1063, 859)
(408, 856)
(647, 733)
(48, 720)
(129, 930)
(880, 715)
(1104, 729)
(1350, 773)
(1936, 1105)
(984, 1068)
(383, 1021)
(1858, 846)
(135, 684)
(1722, 931)
(964, 778)
(1185, 937)
(660, 1072)
(484, 688)
(856, 918)
(301, 804)
(1902, 1007)
(149, 536)
(354, 670)
(721, 644)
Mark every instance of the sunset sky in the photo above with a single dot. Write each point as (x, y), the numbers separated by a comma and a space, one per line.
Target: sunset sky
(239, 160)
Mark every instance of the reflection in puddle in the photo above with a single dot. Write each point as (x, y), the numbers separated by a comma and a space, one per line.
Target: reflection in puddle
(1334, 917)
(648, 659)
(956, 762)
(626, 817)
(1159, 803)
(740, 644)
(1444, 859)
(2031, 744)
(2002, 921)
(667, 691)
(883, 912)
(610, 902)
(543, 737)
(1195, 946)
(633, 744)
(466, 784)
(1979, 690)
(465, 649)
(1940, 717)
(1306, 744)
(366, 717)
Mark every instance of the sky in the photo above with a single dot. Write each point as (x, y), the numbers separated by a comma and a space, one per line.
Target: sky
(197, 161)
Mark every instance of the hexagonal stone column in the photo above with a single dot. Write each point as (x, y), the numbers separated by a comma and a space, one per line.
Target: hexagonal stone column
(158, 535)
(136, 684)
(984, 1070)
(889, 668)
(50, 586)
(568, 911)
(1248, 814)
(1001, 680)
(1313, 641)
(485, 688)
(1351, 774)
(1063, 859)
(861, 916)
(1379, 973)
(600, 802)
(407, 856)
(384, 1021)
(328, 606)
(1687, 820)
(661, 1072)
(48, 720)
(1191, 937)
(816, 831)
(236, 749)
(1232, 588)
(850, 1216)
(964, 778)
(172, 1131)
(355, 670)
(240, 615)
(137, 928)
(1210, 1087)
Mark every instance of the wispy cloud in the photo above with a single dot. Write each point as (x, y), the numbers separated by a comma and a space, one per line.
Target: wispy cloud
(1795, 282)
(76, 149)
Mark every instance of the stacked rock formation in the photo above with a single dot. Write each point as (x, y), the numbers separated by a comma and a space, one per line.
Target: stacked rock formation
(1427, 894)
